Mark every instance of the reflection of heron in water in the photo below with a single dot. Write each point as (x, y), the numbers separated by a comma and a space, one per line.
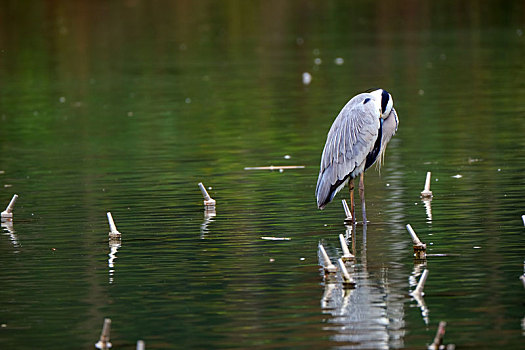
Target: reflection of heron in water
(371, 316)
(357, 139)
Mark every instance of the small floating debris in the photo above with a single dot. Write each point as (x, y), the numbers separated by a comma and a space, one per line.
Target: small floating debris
(7, 214)
(348, 213)
(348, 281)
(209, 202)
(103, 342)
(277, 167)
(457, 176)
(276, 238)
(427, 193)
(287, 156)
(113, 232)
(328, 266)
(347, 256)
(339, 61)
(420, 248)
(307, 78)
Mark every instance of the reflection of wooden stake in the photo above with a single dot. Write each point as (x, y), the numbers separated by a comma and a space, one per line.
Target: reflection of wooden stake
(348, 213)
(348, 281)
(328, 266)
(113, 233)
(347, 256)
(421, 283)
(427, 193)
(8, 212)
(103, 342)
(208, 201)
(438, 340)
(420, 249)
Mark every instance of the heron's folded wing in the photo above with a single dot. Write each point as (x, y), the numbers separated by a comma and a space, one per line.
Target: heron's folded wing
(350, 139)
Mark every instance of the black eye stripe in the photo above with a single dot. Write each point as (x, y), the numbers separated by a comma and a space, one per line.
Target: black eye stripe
(384, 100)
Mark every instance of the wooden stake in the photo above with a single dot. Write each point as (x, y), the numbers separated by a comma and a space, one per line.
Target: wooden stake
(420, 249)
(103, 342)
(438, 339)
(8, 212)
(113, 232)
(328, 266)
(347, 256)
(348, 213)
(427, 193)
(348, 281)
(208, 201)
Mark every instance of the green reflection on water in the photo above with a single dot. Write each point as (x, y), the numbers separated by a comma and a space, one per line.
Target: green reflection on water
(126, 106)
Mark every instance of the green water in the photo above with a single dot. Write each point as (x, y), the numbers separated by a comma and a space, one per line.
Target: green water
(126, 106)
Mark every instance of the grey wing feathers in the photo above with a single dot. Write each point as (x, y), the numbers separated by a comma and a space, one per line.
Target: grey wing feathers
(349, 141)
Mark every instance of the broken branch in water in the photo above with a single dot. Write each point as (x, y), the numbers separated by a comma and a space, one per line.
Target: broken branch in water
(275, 167)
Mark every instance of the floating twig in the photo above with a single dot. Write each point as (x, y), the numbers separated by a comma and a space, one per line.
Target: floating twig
(420, 248)
(438, 339)
(421, 284)
(113, 232)
(347, 256)
(348, 281)
(276, 238)
(328, 266)
(103, 342)
(275, 167)
(427, 193)
(348, 213)
(209, 202)
(8, 212)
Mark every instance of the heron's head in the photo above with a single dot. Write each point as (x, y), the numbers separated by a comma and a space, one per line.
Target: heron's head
(384, 101)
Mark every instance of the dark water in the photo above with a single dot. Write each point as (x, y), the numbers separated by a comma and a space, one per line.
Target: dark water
(126, 106)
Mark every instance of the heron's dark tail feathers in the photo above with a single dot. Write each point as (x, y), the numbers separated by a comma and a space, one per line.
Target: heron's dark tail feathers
(324, 191)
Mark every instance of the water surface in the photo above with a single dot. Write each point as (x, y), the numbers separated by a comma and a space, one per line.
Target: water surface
(126, 106)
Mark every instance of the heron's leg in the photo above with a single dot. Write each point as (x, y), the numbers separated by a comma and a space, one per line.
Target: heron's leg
(351, 189)
(362, 195)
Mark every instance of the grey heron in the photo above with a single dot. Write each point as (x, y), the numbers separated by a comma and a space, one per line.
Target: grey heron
(356, 140)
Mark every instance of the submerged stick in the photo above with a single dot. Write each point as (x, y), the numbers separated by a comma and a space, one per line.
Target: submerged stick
(113, 232)
(348, 281)
(348, 213)
(103, 342)
(8, 212)
(438, 339)
(427, 193)
(208, 201)
(421, 283)
(347, 256)
(328, 266)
